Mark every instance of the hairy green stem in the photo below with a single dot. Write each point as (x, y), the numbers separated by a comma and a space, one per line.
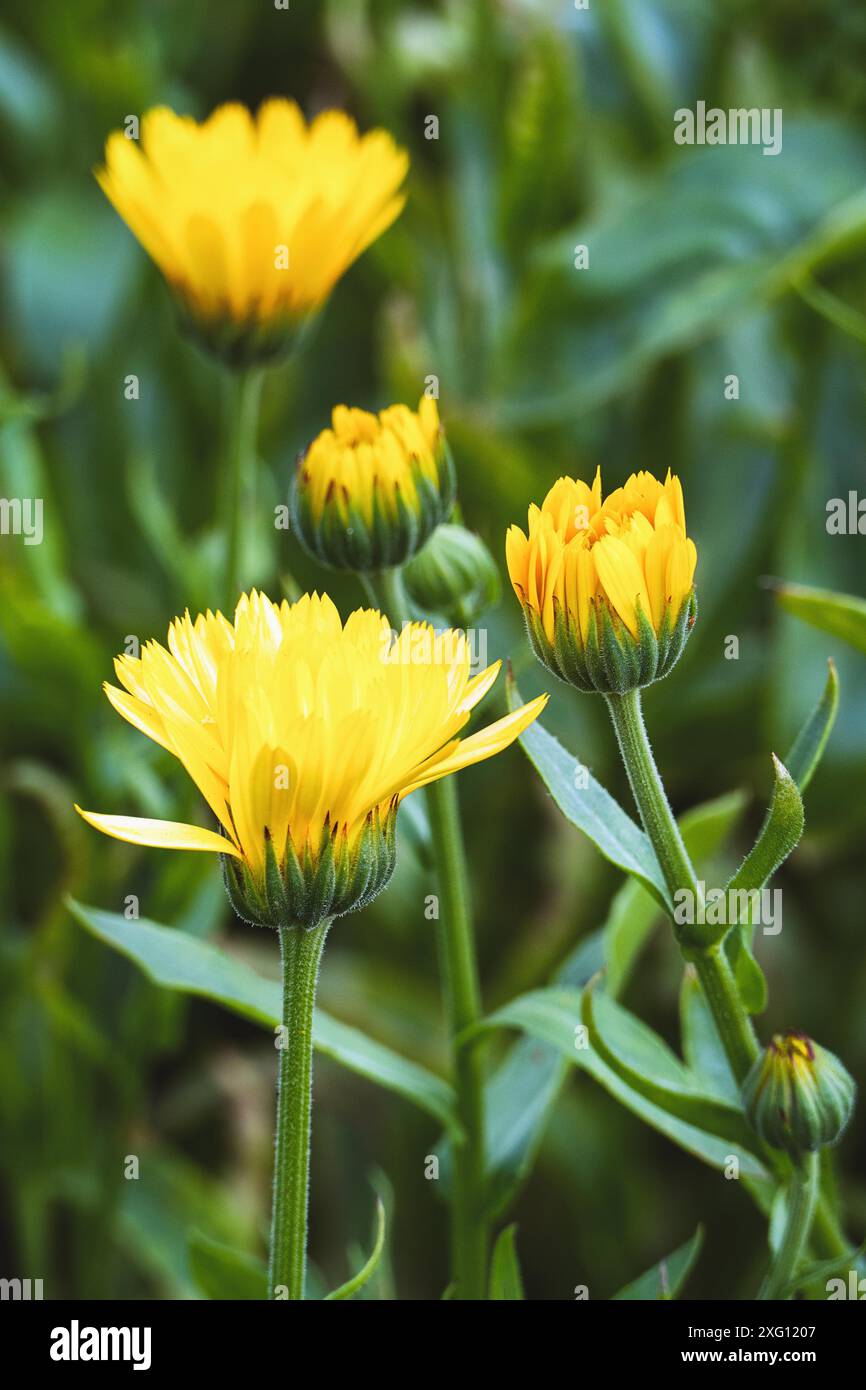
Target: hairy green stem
(802, 1201)
(714, 972)
(239, 484)
(462, 1003)
(462, 997)
(301, 953)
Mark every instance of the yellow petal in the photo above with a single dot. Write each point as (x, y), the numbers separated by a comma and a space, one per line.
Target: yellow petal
(160, 834)
(622, 579)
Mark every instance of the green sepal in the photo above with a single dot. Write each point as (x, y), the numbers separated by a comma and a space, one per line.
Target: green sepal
(610, 661)
(310, 886)
(242, 343)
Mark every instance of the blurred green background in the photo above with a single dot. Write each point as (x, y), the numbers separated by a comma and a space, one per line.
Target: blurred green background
(555, 129)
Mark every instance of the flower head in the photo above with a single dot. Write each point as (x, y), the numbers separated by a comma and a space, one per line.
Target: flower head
(606, 584)
(798, 1096)
(370, 489)
(303, 734)
(252, 220)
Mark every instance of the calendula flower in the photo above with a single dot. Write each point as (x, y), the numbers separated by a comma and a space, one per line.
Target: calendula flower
(370, 490)
(798, 1096)
(606, 585)
(303, 735)
(253, 220)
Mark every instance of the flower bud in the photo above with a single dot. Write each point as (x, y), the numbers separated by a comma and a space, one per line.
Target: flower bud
(454, 576)
(798, 1096)
(369, 491)
(606, 586)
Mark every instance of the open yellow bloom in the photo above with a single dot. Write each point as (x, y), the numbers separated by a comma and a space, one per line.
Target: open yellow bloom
(253, 220)
(369, 491)
(606, 584)
(303, 735)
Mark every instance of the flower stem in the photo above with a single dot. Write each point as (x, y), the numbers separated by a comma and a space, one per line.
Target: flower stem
(714, 972)
(240, 482)
(462, 997)
(462, 1002)
(802, 1200)
(301, 952)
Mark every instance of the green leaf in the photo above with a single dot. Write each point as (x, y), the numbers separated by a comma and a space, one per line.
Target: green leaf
(808, 747)
(506, 1283)
(780, 833)
(553, 1016)
(592, 809)
(369, 1269)
(224, 1273)
(840, 615)
(665, 1280)
(778, 836)
(519, 1099)
(645, 1063)
(180, 962)
(819, 1273)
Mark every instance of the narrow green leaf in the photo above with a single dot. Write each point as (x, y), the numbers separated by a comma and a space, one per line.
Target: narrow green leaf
(519, 1099)
(780, 833)
(369, 1269)
(506, 1284)
(224, 1273)
(808, 747)
(590, 808)
(820, 1273)
(665, 1280)
(750, 978)
(840, 615)
(553, 1016)
(778, 837)
(179, 962)
(645, 1063)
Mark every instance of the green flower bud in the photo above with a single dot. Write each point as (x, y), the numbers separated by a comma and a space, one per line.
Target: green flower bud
(454, 576)
(798, 1096)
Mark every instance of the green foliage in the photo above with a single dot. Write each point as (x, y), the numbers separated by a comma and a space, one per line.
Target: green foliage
(555, 129)
(666, 1279)
(506, 1284)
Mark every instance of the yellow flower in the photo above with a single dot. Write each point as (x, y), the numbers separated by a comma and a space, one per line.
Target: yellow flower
(253, 220)
(370, 490)
(606, 585)
(303, 735)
